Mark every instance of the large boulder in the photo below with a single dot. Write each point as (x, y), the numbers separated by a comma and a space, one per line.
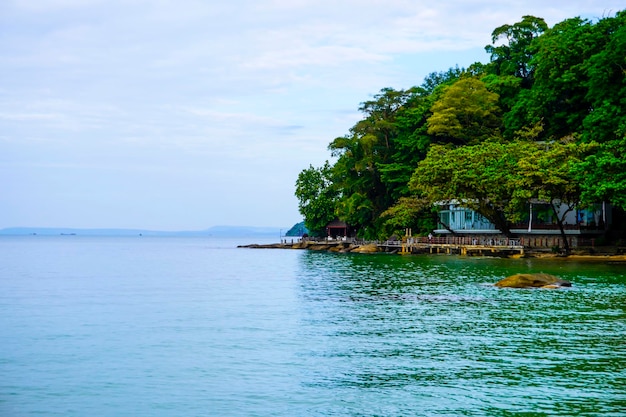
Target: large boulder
(532, 281)
(369, 248)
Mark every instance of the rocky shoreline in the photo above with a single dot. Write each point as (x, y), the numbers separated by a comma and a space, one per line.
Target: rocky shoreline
(606, 255)
(337, 246)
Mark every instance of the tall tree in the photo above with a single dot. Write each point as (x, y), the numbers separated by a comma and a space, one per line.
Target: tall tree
(510, 97)
(559, 92)
(478, 177)
(466, 113)
(514, 56)
(512, 71)
(547, 173)
(602, 174)
(606, 81)
(410, 143)
(366, 190)
(498, 179)
(356, 179)
(317, 198)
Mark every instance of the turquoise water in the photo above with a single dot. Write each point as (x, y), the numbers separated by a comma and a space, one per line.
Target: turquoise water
(196, 327)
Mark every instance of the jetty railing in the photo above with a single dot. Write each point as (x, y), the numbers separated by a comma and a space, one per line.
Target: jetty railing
(529, 242)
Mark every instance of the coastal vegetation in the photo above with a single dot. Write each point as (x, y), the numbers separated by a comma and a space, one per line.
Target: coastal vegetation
(544, 120)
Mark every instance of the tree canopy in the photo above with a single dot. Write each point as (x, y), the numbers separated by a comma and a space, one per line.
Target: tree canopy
(466, 113)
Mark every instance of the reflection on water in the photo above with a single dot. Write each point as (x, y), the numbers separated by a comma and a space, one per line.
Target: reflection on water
(429, 331)
(168, 327)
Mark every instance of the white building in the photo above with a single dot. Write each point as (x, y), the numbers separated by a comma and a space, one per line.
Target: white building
(540, 220)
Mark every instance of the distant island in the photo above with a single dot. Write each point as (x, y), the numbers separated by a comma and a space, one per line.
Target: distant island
(216, 231)
(298, 229)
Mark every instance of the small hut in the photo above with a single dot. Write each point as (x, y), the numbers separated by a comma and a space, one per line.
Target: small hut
(337, 228)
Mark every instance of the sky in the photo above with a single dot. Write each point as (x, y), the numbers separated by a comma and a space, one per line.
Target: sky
(187, 114)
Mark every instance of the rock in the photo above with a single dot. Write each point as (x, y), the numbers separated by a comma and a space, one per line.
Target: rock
(369, 248)
(532, 281)
(318, 247)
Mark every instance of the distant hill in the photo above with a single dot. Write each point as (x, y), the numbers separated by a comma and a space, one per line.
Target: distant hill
(218, 231)
(298, 229)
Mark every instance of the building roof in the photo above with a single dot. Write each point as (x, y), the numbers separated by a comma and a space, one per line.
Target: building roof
(337, 223)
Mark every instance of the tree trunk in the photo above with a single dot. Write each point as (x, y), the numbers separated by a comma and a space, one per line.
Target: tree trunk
(445, 226)
(503, 225)
(498, 218)
(559, 221)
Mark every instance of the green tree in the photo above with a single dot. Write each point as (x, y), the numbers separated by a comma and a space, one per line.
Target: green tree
(365, 169)
(602, 174)
(410, 143)
(559, 93)
(413, 140)
(499, 179)
(356, 179)
(606, 82)
(412, 213)
(317, 198)
(511, 96)
(466, 113)
(511, 71)
(514, 57)
(435, 80)
(547, 173)
(478, 177)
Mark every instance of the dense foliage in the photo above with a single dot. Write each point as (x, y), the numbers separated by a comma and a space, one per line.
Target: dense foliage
(544, 119)
(318, 198)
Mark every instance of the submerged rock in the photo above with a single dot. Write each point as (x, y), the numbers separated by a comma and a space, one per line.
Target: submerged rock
(532, 281)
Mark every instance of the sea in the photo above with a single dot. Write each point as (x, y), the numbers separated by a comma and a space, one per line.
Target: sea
(195, 326)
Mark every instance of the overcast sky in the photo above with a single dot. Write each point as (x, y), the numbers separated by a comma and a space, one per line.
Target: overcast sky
(185, 114)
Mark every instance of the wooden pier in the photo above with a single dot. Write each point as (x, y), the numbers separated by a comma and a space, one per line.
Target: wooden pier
(465, 250)
(408, 246)
(465, 246)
